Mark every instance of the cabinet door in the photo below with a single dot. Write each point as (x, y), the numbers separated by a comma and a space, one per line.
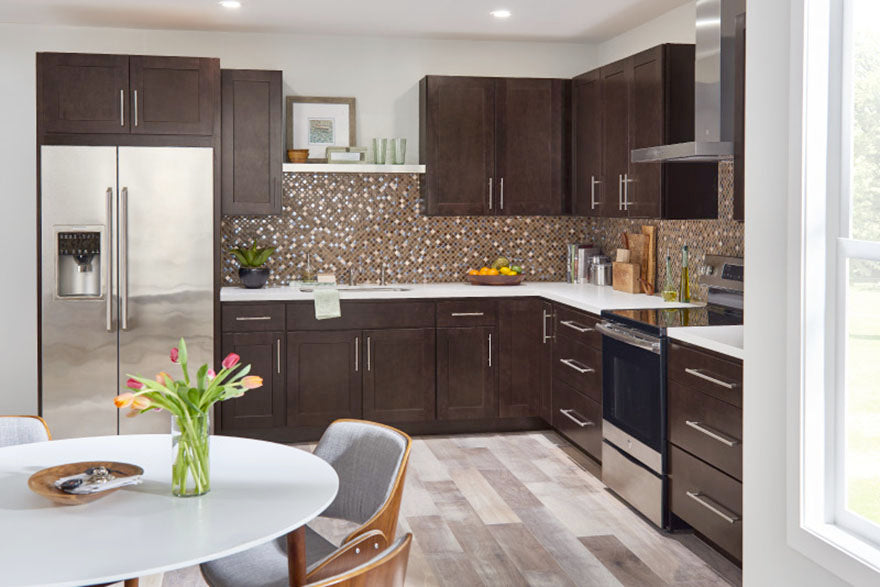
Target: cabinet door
(81, 93)
(589, 185)
(532, 154)
(642, 192)
(521, 327)
(615, 135)
(399, 380)
(467, 363)
(262, 407)
(457, 142)
(252, 148)
(173, 95)
(323, 377)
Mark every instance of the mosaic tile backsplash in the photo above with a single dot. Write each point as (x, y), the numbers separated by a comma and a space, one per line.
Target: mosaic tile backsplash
(361, 221)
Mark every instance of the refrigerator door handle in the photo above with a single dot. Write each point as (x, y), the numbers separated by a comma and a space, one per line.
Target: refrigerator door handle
(123, 259)
(108, 262)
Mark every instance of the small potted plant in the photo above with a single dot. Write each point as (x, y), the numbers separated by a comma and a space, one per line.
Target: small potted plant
(251, 260)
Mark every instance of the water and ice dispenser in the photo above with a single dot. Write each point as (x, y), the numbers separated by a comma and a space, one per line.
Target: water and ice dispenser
(78, 263)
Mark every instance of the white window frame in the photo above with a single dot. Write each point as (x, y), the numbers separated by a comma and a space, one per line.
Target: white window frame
(818, 524)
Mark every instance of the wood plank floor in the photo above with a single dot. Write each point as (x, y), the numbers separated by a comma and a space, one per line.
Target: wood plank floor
(524, 509)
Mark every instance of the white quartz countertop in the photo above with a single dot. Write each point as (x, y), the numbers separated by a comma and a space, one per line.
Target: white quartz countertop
(591, 298)
(727, 340)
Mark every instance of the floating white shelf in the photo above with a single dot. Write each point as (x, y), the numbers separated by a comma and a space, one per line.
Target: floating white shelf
(350, 168)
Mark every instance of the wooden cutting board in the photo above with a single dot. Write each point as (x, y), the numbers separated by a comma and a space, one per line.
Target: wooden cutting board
(638, 247)
(625, 277)
(649, 274)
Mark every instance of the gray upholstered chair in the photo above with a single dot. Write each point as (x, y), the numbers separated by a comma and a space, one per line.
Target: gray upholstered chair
(371, 461)
(23, 430)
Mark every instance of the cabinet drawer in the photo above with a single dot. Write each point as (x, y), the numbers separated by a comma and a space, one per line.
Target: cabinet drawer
(707, 499)
(579, 366)
(706, 372)
(252, 317)
(467, 313)
(578, 325)
(706, 427)
(363, 316)
(578, 417)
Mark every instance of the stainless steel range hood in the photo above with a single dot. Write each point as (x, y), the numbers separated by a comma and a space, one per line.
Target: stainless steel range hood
(714, 71)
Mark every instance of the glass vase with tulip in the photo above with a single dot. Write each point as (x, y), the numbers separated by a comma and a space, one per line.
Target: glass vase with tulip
(189, 401)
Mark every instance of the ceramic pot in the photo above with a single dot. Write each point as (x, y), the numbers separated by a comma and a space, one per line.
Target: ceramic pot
(253, 277)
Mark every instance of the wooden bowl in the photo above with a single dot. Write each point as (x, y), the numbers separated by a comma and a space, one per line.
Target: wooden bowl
(495, 279)
(43, 482)
(298, 155)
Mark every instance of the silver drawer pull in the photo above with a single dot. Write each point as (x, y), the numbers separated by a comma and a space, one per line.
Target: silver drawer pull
(579, 367)
(722, 438)
(460, 314)
(714, 507)
(709, 378)
(575, 326)
(251, 318)
(580, 421)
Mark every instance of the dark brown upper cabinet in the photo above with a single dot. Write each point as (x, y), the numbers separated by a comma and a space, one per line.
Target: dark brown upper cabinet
(494, 146)
(121, 94)
(641, 101)
(252, 153)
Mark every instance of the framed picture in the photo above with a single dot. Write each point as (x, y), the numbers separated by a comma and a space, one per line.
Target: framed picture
(318, 123)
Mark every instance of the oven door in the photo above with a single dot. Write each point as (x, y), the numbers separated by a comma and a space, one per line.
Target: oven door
(634, 383)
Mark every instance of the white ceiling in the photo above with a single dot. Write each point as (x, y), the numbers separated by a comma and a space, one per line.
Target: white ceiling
(544, 20)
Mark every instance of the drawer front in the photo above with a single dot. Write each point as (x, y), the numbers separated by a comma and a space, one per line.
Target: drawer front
(579, 366)
(707, 499)
(578, 417)
(467, 313)
(708, 373)
(579, 326)
(706, 427)
(363, 316)
(236, 317)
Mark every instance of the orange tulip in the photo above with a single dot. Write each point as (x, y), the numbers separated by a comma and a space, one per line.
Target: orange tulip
(123, 400)
(252, 381)
(164, 378)
(141, 403)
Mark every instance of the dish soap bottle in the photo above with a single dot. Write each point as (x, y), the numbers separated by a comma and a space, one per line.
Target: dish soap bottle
(670, 291)
(685, 289)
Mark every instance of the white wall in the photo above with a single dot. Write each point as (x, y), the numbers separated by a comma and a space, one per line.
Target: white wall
(768, 560)
(676, 26)
(381, 73)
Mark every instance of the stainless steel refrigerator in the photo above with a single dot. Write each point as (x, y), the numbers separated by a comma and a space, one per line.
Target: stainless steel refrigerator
(127, 269)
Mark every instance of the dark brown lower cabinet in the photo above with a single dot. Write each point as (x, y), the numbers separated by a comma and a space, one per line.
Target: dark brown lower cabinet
(522, 340)
(323, 377)
(578, 417)
(399, 381)
(467, 367)
(548, 335)
(262, 407)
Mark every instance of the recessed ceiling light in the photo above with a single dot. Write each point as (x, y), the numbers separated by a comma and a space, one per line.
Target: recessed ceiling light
(230, 4)
(500, 13)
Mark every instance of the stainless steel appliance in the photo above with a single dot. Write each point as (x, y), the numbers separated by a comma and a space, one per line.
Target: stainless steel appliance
(634, 385)
(127, 268)
(600, 270)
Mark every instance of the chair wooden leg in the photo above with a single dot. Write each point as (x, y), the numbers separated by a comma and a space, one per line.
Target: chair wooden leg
(296, 557)
(132, 582)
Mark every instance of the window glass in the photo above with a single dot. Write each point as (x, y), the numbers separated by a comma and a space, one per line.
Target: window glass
(865, 180)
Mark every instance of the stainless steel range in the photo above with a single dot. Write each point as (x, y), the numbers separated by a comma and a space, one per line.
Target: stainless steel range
(634, 385)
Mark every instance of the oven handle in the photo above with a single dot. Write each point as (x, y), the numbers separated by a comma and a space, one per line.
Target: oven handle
(625, 337)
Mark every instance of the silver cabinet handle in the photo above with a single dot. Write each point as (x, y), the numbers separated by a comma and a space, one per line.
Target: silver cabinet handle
(278, 355)
(135, 107)
(579, 367)
(575, 326)
(490, 193)
(709, 378)
(461, 314)
(123, 258)
(490, 349)
(544, 336)
(108, 263)
(720, 437)
(713, 506)
(620, 192)
(593, 183)
(582, 422)
(368, 354)
(501, 197)
(357, 352)
(251, 318)
(121, 107)
(626, 181)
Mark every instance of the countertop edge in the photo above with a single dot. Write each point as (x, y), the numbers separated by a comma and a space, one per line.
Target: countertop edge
(690, 335)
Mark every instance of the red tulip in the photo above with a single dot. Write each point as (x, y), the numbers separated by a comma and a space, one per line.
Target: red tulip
(231, 361)
(134, 384)
(211, 374)
(175, 355)
(252, 381)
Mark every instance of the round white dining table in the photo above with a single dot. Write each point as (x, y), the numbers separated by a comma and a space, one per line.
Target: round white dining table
(259, 491)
